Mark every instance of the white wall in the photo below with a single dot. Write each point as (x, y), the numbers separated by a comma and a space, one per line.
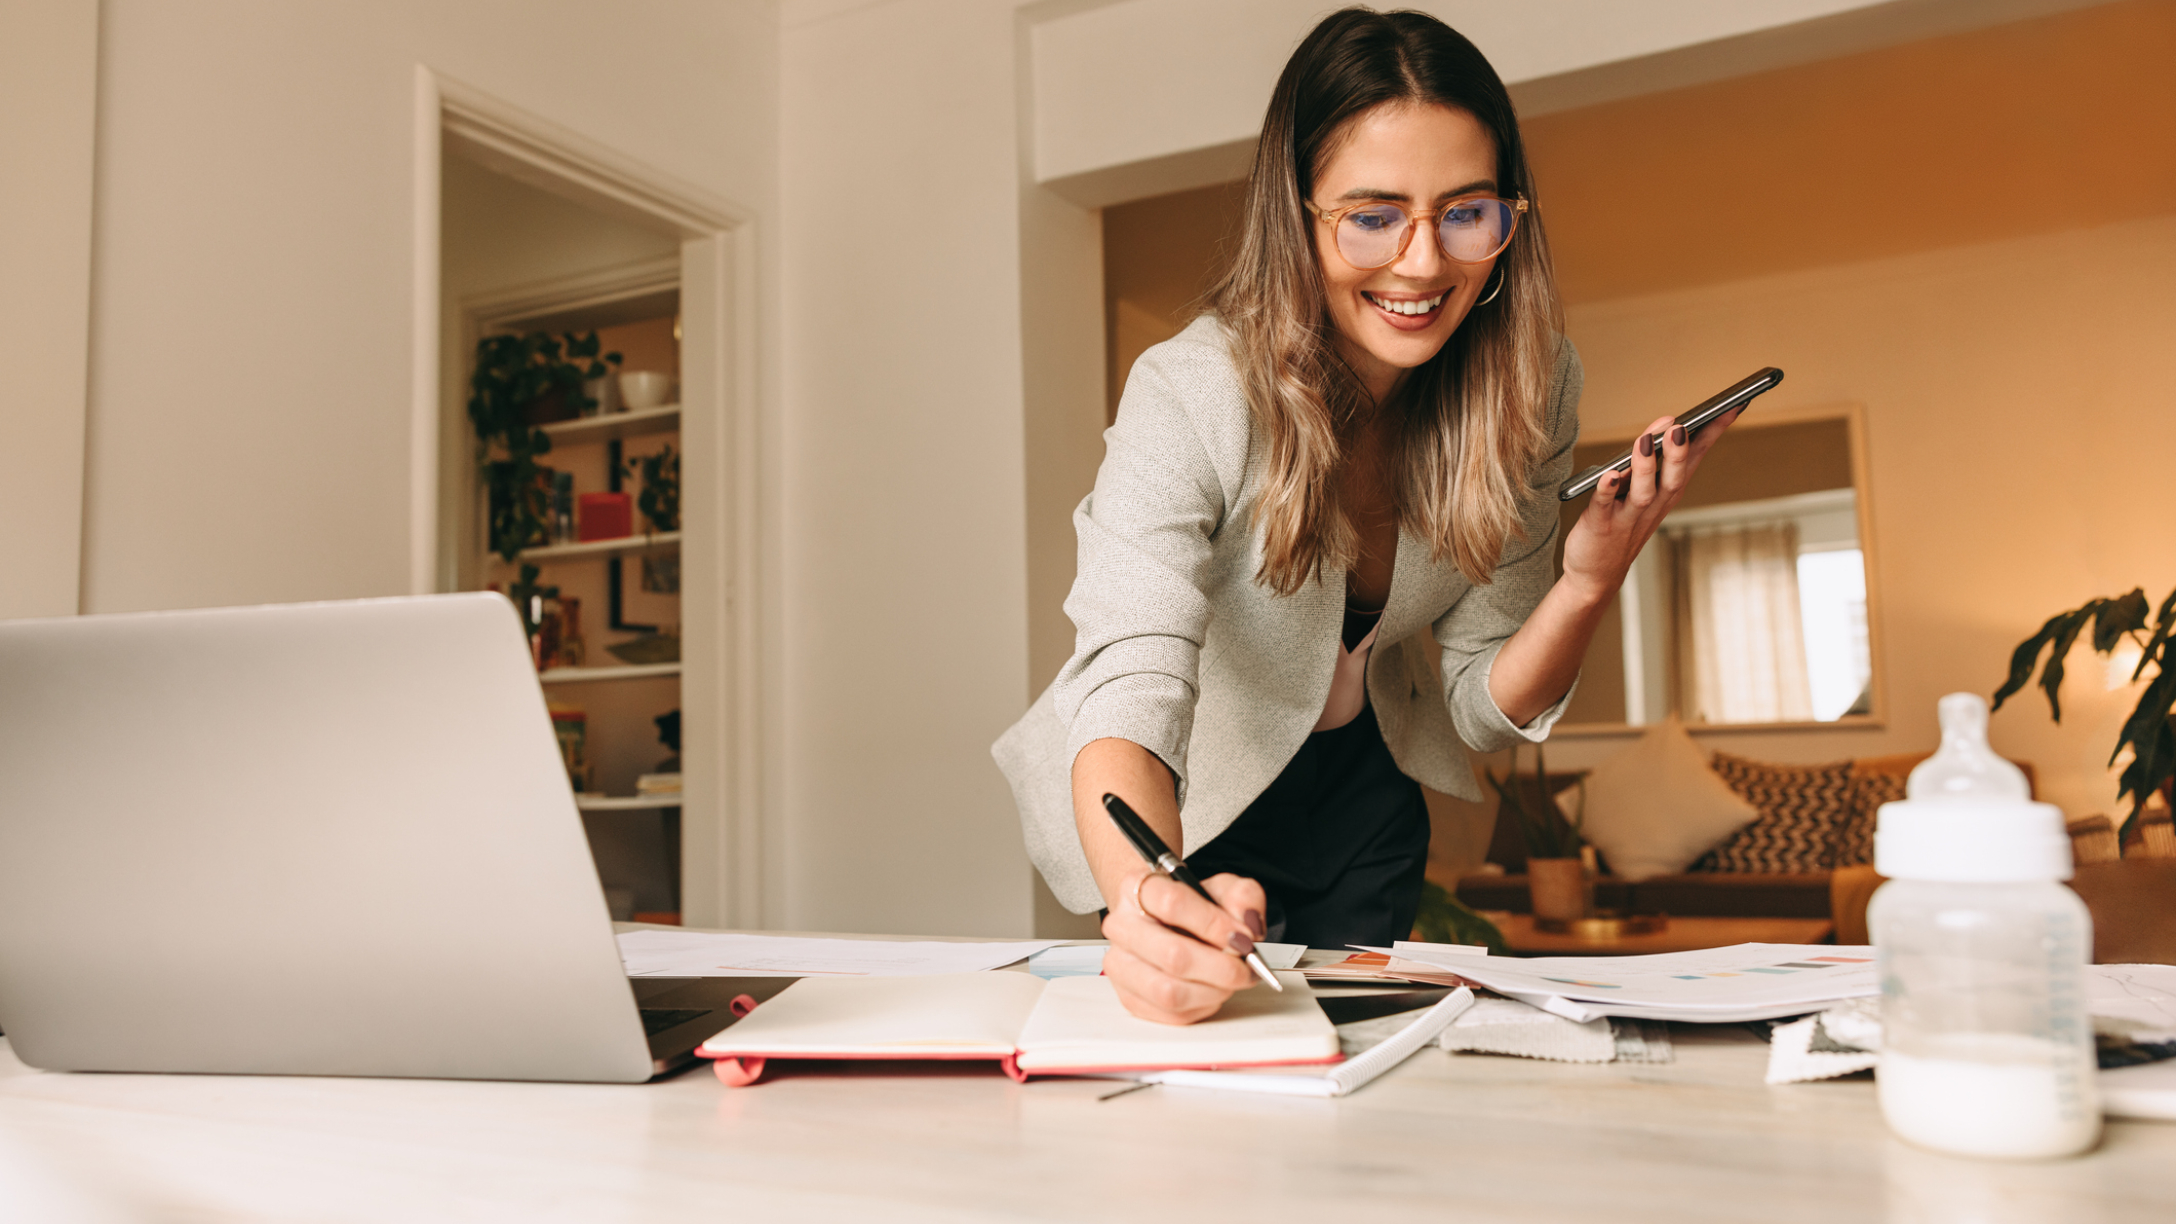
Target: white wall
(2020, 424)
(249, 422)
(904, 582)
(48, 103)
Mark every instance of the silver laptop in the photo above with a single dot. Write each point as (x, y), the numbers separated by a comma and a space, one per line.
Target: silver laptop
(315, 839)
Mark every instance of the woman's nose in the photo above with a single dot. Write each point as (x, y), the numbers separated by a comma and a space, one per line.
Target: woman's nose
(1423, 258)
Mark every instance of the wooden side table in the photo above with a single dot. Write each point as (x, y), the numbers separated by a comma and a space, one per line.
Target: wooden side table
(1681, 935)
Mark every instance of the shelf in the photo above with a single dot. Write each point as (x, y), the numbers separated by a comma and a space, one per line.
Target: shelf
(623, 546)
(580, 675)
(616, 425)
(625, 803)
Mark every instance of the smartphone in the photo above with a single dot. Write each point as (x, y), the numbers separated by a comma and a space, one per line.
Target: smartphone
(1736, 396)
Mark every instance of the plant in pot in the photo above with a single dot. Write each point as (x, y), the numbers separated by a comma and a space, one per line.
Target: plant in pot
(659, 500)
(517, 381)
(2133, 899)
(1556, 870)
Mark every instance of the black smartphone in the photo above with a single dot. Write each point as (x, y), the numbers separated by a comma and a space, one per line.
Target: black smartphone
(1738, 395)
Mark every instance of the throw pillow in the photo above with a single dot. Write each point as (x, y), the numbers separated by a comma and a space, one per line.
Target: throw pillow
(1656, 806)
(1802, 810)
(1855, 845)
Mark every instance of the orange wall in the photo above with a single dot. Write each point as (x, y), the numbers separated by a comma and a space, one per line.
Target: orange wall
(2020, 424)
(2033, 127)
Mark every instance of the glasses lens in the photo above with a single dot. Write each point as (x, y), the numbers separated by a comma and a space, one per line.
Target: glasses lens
(1369, 237)
(1473, 230)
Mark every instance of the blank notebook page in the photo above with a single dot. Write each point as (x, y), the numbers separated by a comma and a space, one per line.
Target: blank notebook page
(1080, 1024)
(957, 1014)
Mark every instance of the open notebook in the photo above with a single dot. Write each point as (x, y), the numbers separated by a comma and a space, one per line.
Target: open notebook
(1065, 1026)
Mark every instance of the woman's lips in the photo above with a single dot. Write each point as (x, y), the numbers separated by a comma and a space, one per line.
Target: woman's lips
(1408, 322)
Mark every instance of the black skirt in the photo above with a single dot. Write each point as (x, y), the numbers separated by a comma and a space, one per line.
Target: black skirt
(1339, 842)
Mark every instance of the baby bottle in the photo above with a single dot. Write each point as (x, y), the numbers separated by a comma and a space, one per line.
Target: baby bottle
(1987, 1049)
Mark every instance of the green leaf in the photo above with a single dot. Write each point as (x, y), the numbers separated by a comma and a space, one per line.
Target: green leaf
(2117, 617)
(2025, 657)
(1443, 918)
(2051, 674)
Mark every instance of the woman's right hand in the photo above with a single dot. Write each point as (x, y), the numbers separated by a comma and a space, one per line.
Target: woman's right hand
(1174, 957)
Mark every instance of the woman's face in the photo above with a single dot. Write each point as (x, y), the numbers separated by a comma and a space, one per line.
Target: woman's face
(1418, 155)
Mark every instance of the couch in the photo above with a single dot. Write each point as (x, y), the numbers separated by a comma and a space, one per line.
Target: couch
(1700, 892)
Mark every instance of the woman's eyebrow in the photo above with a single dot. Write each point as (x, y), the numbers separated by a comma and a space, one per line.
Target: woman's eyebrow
(1377, 193)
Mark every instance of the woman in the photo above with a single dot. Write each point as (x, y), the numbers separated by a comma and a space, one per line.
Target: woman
(1361, 440)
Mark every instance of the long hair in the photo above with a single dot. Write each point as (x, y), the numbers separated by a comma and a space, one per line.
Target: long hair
(1471, 423)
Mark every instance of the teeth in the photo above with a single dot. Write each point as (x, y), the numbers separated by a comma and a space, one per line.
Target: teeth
(1409, 307)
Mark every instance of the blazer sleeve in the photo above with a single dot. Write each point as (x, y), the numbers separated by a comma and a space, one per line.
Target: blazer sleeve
(1475, 628)
(1138, 603)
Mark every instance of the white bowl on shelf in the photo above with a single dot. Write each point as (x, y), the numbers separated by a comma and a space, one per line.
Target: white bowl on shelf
(641, 389)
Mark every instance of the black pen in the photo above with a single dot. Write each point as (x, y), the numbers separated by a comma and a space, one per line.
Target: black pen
(1159, 856)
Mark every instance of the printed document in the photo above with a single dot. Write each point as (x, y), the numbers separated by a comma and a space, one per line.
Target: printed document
(1712, 985)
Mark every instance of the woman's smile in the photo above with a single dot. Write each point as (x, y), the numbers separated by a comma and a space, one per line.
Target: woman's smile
(1407, 311)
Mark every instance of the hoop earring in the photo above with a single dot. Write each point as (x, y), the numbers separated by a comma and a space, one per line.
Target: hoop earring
(1501, 277)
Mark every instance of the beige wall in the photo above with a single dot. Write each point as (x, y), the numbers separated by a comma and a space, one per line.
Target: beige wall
(250, 415)
(2018, 421)
(904, 584)
(48, 102)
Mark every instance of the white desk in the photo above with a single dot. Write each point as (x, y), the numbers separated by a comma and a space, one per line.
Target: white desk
(1467, 1138)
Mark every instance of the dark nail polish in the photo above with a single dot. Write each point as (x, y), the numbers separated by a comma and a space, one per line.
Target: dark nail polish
(1239, 943)
(1254, 923)
(1677, 435)
(1647, 445)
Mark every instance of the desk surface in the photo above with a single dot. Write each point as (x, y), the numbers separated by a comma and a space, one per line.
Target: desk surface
(1466, 1137)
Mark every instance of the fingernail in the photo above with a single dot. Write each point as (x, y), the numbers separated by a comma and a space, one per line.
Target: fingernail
(1647, 445)
(1677, 435)
(1239, 943)
(1254, 923)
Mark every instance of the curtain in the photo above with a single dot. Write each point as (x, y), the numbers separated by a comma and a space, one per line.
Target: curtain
(1742, 651)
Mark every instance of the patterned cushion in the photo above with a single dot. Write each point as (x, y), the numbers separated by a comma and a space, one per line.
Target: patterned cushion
(1855, 843)
(1803, 810)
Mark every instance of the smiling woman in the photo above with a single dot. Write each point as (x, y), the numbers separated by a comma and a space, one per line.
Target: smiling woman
(1360, 441)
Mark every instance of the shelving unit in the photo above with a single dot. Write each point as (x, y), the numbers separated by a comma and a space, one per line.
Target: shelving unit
(625, 803)
(624, 546)
(617, 426)
(582, 675)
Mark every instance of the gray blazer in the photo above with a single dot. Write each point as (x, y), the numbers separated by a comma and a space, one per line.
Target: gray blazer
(1181, 651)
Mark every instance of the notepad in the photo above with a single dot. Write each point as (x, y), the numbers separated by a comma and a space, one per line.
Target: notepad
(1065, 1026)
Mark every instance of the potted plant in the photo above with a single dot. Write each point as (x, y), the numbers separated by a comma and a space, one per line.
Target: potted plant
(659, 500)
(2150, 732)
(515, 374)
(2133, 900)
(1556, 871)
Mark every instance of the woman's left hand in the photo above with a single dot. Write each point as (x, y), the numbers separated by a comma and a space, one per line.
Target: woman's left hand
(1628, 506)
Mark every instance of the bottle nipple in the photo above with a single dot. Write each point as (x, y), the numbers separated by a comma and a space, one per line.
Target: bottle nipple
(1965, 767)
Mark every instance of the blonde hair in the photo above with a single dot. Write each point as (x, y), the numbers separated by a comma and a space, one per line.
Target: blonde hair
(1472, 423)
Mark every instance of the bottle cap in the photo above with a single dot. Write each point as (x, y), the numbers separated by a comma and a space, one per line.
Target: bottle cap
(1969, 817)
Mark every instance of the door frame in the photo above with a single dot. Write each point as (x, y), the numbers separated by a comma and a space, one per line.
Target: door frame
(721, 826)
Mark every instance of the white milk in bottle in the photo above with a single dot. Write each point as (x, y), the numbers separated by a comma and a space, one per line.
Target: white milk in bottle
(1987, 1049)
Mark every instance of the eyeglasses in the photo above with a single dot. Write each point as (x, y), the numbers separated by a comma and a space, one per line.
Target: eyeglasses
(1375, 233)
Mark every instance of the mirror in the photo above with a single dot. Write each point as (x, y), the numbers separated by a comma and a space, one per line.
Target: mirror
(1752, 604)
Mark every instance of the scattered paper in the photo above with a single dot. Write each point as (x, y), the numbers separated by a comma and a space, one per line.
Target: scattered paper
(1348, 1076)
(1086, 960)
(704, 954)
(1381, 968)
(1070, 960)
(1713, 985)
